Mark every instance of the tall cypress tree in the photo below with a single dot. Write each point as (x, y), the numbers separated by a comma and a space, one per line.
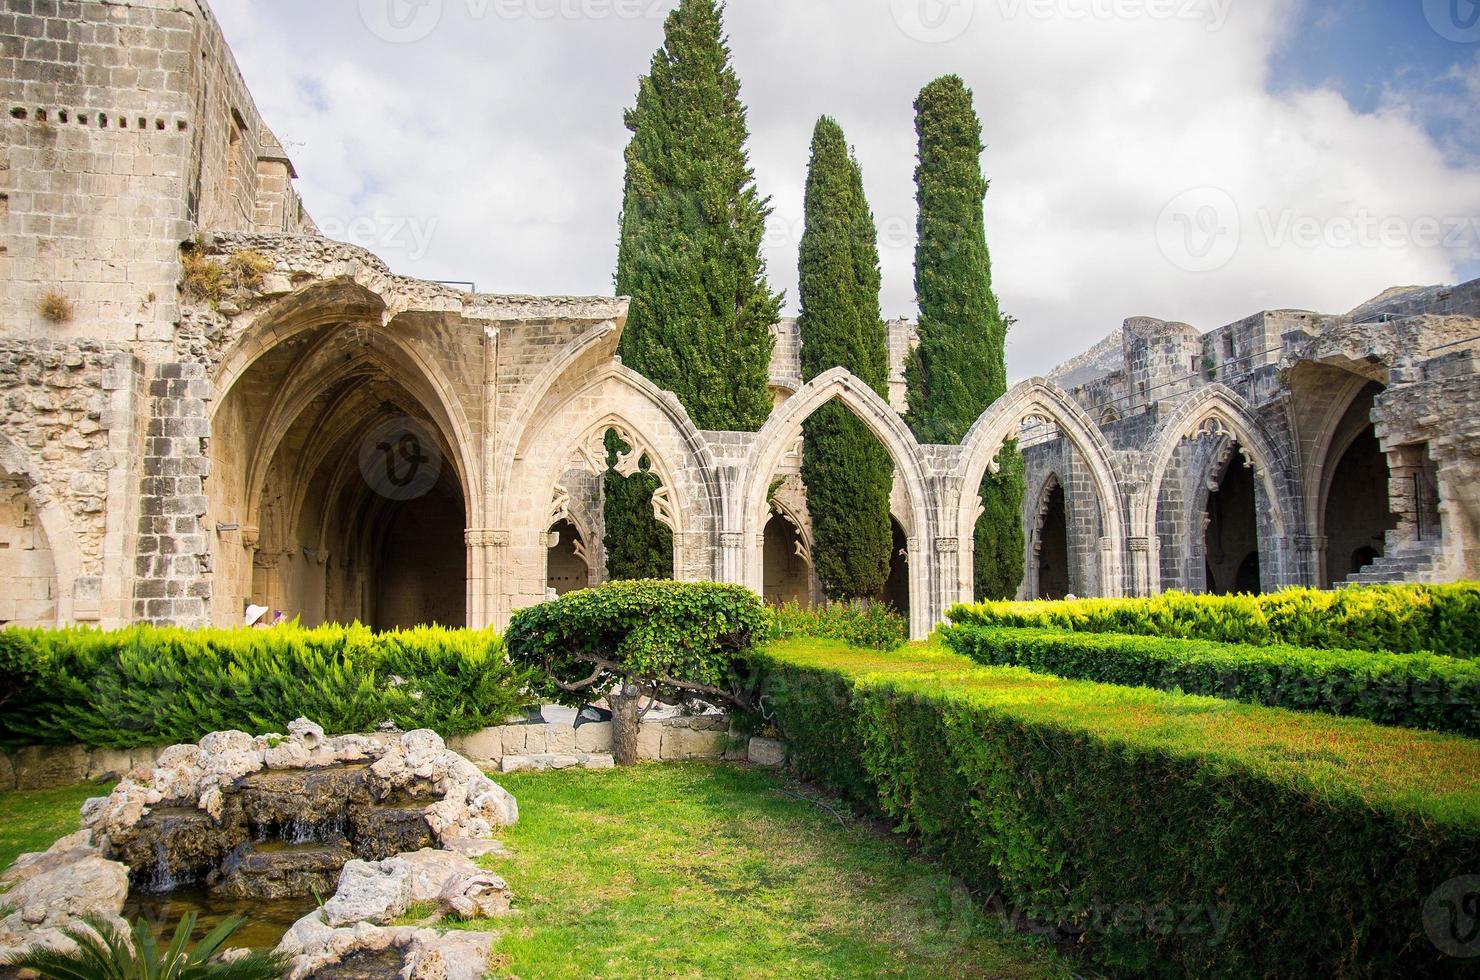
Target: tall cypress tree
(960, 366)
(847, 472)
(692, 224)
(691, 228)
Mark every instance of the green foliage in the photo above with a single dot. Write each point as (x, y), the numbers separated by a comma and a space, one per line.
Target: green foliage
(148, 686)
(960, 366)
(874, 625)
(1413, 690)
(1176, 835)
(677, 635)
(848, 474)
(689, 257)
(691, 230)
(637, 546)
(104, 953)
(1442, 619)
(999, 531)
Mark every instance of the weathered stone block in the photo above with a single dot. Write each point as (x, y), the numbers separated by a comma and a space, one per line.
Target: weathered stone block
(49, 767)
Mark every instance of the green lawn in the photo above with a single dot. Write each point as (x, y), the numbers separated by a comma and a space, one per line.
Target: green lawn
(32, 821)
(692, 870)
(707, 871)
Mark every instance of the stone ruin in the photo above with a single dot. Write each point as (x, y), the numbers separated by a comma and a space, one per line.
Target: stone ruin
(377, 824)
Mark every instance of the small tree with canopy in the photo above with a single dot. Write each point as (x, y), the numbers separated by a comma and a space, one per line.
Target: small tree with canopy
(629, 640)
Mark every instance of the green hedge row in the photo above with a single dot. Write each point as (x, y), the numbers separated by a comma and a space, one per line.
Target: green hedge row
(1173, 835)
(1443, 619)
(146, 686)
(1417, 690)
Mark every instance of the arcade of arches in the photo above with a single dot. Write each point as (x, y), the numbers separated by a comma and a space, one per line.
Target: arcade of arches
(346, 444)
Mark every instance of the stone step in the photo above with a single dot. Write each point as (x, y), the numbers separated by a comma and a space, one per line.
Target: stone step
(546, 761)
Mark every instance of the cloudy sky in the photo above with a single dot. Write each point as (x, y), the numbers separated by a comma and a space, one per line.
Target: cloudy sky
(1196, 160)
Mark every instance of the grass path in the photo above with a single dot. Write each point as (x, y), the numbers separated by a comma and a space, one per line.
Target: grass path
(712, 871)
(33, 820)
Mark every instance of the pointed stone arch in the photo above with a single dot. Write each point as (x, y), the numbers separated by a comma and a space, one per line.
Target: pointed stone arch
(1036, 399)
(1218, 410)
(66, 557)
(573, 424)
(746, 530)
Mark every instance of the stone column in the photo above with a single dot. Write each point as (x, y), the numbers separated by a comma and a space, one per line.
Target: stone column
(1310, 551)
(1145, 575)
(942, 589)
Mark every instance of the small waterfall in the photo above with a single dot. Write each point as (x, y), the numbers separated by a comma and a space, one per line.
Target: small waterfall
(161, 878)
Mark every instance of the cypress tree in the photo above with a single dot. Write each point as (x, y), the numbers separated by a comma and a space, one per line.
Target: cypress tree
(847, 472)
(689, 257)
(692, 223)
(960, 366)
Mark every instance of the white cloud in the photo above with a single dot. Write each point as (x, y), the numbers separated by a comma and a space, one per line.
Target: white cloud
(499, 137)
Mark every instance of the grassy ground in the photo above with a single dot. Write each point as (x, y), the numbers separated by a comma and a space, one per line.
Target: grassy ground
(699, 871)
(33, 821)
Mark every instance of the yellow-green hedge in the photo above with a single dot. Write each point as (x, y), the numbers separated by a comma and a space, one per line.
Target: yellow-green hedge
(1180, 835)
(147, 686)
(1443, 619)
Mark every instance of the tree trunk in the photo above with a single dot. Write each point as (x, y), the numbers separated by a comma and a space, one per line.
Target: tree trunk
(624, 724)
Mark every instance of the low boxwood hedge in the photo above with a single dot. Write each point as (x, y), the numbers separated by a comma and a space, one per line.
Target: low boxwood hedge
(1173, 834)
(1443, 619)
(1417, 690)
(146, 686)
(875, 624)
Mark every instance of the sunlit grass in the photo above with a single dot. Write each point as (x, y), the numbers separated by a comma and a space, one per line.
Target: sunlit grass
(32, 821)
(713, 871)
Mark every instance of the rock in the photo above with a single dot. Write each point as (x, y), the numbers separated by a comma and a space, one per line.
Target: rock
(600, 760)
(453, 956)
(7, 773)
(108, 764)
(433, 872)
(590, 713)
(291, 754)
(560, 739)
(66, 890)
(479, 848)
(556, 714)
(92, 809)
(421, 747)
(686, 743)
(495, 805)
(373, 892)
(352, 748)
(594, 737)
(49, 767)
(227, 756)
(211, 802)
(278, 873)
(177, 773)
(478, 895)
(306, 733)
(767, 752)
(309, 932)
(650, 741)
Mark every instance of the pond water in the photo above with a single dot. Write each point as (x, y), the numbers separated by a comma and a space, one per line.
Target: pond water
(267, 921)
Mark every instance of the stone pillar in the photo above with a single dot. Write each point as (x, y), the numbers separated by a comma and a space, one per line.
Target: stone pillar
(488, 553)
(1310, 552)
(941, 589)
(1145, 577)
(732, 556)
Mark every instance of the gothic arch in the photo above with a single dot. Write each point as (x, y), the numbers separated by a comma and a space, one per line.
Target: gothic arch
(573, 425)
(66, 556)
(1038, 398)
(1041, 499)
(780, 433)
(1219, 410)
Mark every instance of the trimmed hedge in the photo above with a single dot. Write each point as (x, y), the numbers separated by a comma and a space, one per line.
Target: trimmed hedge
(688, 633)
(1442, 619)
(1417, 690)
(147, 686)
(1175, 835)
(876, 625)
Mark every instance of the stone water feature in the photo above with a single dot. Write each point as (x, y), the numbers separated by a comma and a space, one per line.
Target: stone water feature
(368, 825)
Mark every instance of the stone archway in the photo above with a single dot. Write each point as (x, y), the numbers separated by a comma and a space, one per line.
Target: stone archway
(744, 539)
(1217, 412)
(342, 483)
(41, 555)
(1049, 563)
(1037, 401)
